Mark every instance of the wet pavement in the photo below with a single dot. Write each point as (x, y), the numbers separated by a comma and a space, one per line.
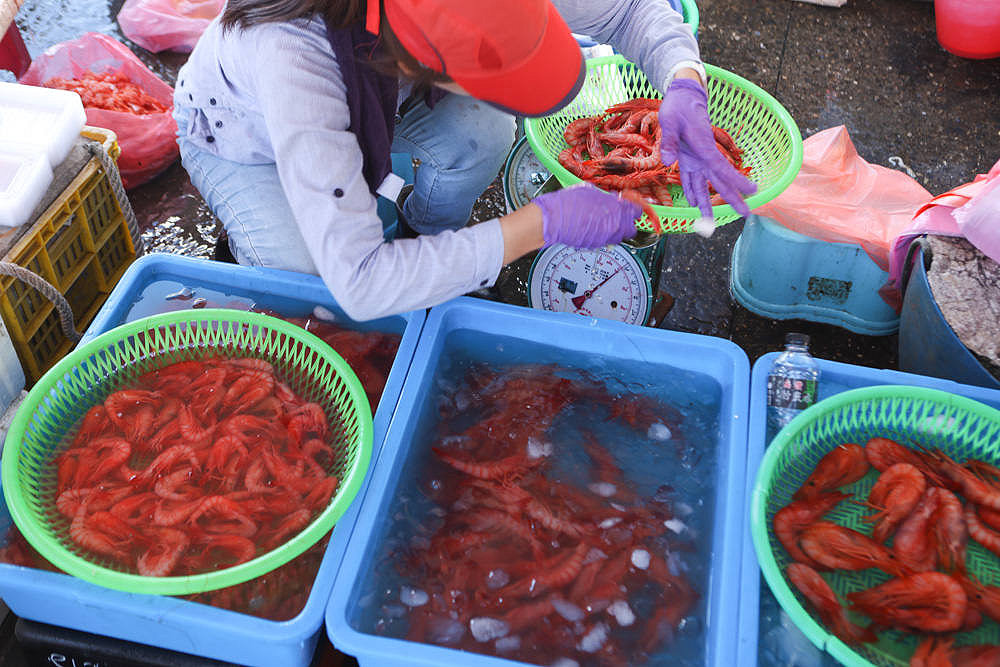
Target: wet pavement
(874, 66)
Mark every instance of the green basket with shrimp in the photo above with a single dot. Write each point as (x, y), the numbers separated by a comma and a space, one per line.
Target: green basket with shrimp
(272, 372)
(917, 417)
(761, 127)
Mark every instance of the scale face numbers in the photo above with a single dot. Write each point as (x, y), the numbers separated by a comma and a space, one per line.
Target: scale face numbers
(523, 175)
(609, 283)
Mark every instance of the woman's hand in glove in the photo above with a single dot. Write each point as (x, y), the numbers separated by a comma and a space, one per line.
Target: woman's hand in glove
(582, 216)
(688, 140)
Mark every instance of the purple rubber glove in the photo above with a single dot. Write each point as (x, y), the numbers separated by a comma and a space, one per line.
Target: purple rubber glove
(582, 216)
(688, 141)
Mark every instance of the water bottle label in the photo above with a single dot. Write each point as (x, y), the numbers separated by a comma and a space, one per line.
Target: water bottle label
(792, 393)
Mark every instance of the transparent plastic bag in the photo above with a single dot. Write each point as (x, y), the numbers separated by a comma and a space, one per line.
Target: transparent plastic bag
(148, 141)
(838, 196)
(167, 25)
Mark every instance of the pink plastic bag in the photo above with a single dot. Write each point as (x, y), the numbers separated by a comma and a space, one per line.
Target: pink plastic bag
(837, 196)
(148, 142)
(971, 210)
(167, 25)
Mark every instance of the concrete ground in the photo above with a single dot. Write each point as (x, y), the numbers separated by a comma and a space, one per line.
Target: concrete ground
(873, 66)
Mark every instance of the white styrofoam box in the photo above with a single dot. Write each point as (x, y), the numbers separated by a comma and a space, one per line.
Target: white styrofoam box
(47, 118)
(25, 174)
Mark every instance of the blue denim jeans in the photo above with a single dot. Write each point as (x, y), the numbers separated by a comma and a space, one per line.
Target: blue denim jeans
(461, 145)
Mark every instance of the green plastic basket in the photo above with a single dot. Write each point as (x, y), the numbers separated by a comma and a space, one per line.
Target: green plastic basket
(114, 359)
(914, 416)
(770, 139)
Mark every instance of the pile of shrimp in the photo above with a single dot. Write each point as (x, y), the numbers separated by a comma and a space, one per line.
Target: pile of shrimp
(928, 506)
(526, 563)
(619, 151)
(111, 91)
(196, 466)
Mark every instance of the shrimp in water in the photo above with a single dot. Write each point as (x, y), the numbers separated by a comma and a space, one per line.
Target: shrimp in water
(815, 589)
(842, 466)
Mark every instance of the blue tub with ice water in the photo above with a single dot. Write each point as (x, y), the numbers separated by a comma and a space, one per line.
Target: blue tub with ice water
(173, 623)
(704, 378)
(767, 636)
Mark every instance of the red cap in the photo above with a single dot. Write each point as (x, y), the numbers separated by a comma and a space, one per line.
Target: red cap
(518, 55)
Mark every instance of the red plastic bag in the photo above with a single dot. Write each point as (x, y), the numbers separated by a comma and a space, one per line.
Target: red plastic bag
(839, 197)
(167, 25)
(148, 141)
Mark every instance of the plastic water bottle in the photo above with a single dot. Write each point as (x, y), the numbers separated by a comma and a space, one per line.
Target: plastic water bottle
(792, 383)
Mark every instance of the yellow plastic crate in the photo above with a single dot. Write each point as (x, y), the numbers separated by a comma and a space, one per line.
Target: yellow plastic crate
(80, 244)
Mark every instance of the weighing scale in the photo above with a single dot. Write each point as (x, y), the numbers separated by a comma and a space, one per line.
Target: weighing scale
(616, 282)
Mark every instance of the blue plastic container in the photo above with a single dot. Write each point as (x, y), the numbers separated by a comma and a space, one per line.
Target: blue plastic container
(781, 274)
(927, 344)
(173, 623)
(706, 373)
(755, 595)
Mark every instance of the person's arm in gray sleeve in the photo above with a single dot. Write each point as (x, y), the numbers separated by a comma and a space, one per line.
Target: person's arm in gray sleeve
(649, 33)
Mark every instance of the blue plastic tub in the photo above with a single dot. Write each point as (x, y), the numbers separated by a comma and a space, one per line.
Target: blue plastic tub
(757, 639)
(927, 344)
(687, 370)
(782, 274)
(173, 623)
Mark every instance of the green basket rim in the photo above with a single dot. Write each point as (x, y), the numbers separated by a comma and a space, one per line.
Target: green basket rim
(719, 211)
(70, 563)
(786, 437)
(690, 14)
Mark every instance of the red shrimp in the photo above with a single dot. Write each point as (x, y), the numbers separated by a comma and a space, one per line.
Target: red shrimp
(990, 517)
(922, 602)
(320, 494)
(554, 573)
(950, 531)
(175, 486)
(841, 466)
(166, 459)
(795, 517)
(104, 533)
(914, 542)
(896, 492)
(110, 453)
(217, 551)
(232, 518)
(636, 198)
(973, 487)
(93, 423)
(71, 500)
(837, 547)
(290, 525)
(163, 555)
(136, 509)
(933, 652)
(981, 596)
(815, 589)
(883, 452)
(981, 533)
(506, 468)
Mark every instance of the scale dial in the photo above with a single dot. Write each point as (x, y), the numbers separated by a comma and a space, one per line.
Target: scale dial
(608, 282)
(523, 175)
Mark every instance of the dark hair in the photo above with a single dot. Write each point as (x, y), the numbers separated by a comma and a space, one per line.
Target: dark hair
(392, 57)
